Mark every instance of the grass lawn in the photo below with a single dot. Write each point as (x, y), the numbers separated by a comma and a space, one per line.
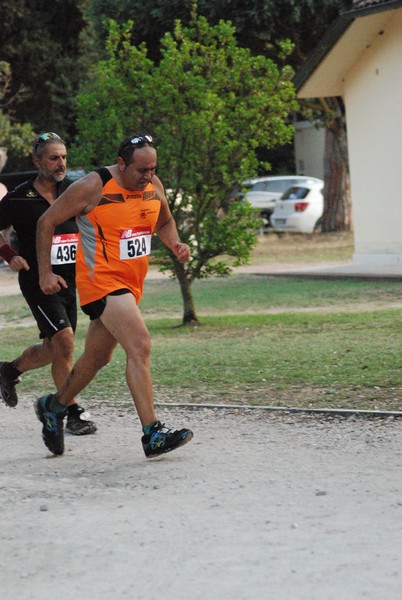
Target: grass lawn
(262, 340)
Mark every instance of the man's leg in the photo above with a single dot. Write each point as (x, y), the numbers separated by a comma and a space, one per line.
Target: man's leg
(61, 347)
(123, 319)
(120, 322)
(52, 408)
(99, 346)
(57, 351)
(56, 347)
(34, 357)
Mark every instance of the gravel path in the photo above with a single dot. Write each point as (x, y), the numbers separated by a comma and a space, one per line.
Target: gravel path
(258, 505)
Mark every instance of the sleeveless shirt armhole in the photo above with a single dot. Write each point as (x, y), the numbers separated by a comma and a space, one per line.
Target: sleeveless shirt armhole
(104, 174)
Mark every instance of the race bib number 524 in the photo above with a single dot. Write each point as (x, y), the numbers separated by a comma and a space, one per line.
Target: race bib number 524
(135, 243)
(64, 248)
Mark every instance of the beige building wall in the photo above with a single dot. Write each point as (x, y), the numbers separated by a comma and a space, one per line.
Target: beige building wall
(373, 98)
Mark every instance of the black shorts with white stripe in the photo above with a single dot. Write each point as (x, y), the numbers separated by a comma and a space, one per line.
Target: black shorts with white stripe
(53, 313)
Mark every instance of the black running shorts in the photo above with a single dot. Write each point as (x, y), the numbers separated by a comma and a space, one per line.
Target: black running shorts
(53, 313)
(95, 309)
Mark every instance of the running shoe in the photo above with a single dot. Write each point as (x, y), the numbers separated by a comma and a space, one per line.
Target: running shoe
(162, 440)
(7, 388)
(52, 431)
(78, 422)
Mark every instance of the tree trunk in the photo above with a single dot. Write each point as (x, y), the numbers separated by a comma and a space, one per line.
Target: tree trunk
(337, 202)
(189, 315)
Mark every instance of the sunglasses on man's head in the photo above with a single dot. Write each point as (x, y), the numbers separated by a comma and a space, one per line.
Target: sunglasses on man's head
(139, 139)
(45, 137)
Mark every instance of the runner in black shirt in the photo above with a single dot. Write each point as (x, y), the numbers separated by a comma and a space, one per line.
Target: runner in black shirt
(55, 315)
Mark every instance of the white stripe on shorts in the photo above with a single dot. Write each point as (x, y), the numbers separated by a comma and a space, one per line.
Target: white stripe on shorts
(47, 319)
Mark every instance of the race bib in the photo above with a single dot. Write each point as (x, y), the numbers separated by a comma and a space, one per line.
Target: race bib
(135, 243)
(64, 248)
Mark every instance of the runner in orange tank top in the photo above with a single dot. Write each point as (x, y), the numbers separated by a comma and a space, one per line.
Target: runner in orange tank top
(114, 252)
(118, 208)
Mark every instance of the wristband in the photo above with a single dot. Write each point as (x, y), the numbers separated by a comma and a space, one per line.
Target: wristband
(7, 252)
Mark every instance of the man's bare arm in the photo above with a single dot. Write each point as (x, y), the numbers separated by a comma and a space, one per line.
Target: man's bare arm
(78, 199)
(166, 227)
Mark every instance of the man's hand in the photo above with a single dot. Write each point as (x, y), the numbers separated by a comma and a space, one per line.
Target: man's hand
(17, 263)
(52, 283)
(182, 252)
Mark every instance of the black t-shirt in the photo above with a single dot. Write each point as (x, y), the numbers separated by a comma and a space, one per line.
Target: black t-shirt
(22, 208)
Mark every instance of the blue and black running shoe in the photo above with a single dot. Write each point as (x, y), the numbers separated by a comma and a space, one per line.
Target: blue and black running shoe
(161, 439)
(52, 431)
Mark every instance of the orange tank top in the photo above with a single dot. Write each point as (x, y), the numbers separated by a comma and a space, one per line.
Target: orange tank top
(115, 241)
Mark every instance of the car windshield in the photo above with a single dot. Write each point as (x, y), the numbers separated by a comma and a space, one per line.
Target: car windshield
(296, 193)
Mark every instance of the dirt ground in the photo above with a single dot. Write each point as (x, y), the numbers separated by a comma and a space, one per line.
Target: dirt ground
(258, 505)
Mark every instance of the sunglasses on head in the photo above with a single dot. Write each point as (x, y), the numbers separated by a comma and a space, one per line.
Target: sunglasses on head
(140, 139)
(45, 137)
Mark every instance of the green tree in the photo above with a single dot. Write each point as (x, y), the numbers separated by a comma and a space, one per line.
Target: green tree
(15, 137)
(47, 45)
(258, 24)
(210, 105)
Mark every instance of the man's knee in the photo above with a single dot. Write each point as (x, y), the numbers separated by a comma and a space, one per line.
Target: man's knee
(101, 359)
(62, 343)
(141, 348)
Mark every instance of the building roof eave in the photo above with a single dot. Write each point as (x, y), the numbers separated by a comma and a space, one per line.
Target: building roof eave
(324, 71)
(333, 34)
(369, 7)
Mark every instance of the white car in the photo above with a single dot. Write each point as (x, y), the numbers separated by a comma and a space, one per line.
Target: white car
(300, 208)
(265, 191)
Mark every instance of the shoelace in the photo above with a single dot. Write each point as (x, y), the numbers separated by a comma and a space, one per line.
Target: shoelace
(164, 429)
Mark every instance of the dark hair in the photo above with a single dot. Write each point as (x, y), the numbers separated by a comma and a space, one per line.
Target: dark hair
(131, 143)
(42, 140)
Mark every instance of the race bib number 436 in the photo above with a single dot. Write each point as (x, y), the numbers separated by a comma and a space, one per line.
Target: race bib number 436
(64, 248)
(135, 243)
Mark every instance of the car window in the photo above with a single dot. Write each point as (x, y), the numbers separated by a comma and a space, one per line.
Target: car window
(295, 193)
(260, 186)
(281, 185)
(275, 185)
